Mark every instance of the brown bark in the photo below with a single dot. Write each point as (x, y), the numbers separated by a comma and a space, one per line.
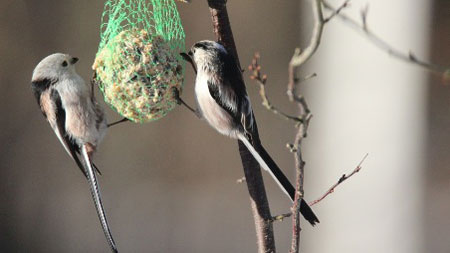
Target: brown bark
(252, 171)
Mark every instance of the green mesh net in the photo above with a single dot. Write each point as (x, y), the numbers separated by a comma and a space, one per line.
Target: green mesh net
(138, 66)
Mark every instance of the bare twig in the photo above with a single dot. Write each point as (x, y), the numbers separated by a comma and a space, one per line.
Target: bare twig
(240, 180)
(383, 45)
(298, 59)
(302, 123)
(344, 177)
(337, 11)
(261, 80)
(340, 181)
(302, 57)
(118, 122)
(304, 117)
(180, 101)
(252, 171)
(300, 175)
(280, 217)
(302, 127)
(364, 13)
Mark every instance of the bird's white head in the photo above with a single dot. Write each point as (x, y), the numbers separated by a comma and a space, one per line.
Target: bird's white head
(55, 66)
(206, 49)
(206, 52)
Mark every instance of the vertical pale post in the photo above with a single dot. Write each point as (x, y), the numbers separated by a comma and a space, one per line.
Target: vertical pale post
(365, 101)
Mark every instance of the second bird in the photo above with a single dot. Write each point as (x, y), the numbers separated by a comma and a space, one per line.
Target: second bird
(69, 105)
(223, 102)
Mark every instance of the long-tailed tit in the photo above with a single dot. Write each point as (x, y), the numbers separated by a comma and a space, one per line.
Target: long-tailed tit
(75, 116)
(223, 102)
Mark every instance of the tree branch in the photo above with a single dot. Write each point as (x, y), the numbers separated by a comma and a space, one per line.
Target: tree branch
(305, 116)
(344, 177)
(340, 181)
(252, 171)
(302, 123)
(299, 57)
(302, 57)
(383, 45)
(261, 81)
(337, 11)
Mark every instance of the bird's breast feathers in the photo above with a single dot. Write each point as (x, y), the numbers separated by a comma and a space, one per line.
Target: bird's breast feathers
(81, 114)
(48, 107)
(211, 111)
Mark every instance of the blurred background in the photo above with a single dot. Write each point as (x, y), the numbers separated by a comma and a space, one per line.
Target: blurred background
(170, 185)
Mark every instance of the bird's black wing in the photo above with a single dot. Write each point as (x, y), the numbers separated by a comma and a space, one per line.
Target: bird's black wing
(232, 95)
(39, 87)
(70, 145)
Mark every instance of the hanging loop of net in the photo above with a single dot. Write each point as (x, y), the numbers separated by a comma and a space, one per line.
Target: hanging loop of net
(137, 66)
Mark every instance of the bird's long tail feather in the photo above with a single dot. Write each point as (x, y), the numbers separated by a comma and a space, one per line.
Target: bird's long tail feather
(98, 200)
(267, 163)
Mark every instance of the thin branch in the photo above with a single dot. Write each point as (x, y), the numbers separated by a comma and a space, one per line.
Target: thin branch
(302, 127)
(344, 177)
(304, 113)
(301, 57)
(306, 78)
(261, 81)
(337, 11)
(302, 123)
(383, 45)
(240, 180)
(180, 101)
(300, 175)
(280, 217)
(252, 171)
(340, 181)
(298, 59)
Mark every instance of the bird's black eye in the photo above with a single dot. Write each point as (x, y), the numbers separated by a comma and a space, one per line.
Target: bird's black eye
(64, 64)
(201, 45)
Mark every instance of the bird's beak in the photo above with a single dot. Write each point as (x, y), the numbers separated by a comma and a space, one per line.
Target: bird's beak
(188, 57)
(74, 60)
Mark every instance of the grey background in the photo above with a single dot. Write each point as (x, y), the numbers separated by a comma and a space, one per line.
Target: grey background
(170, 185)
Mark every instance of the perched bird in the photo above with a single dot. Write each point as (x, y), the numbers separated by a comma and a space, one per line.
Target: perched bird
(78, 121)
(223, 102)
